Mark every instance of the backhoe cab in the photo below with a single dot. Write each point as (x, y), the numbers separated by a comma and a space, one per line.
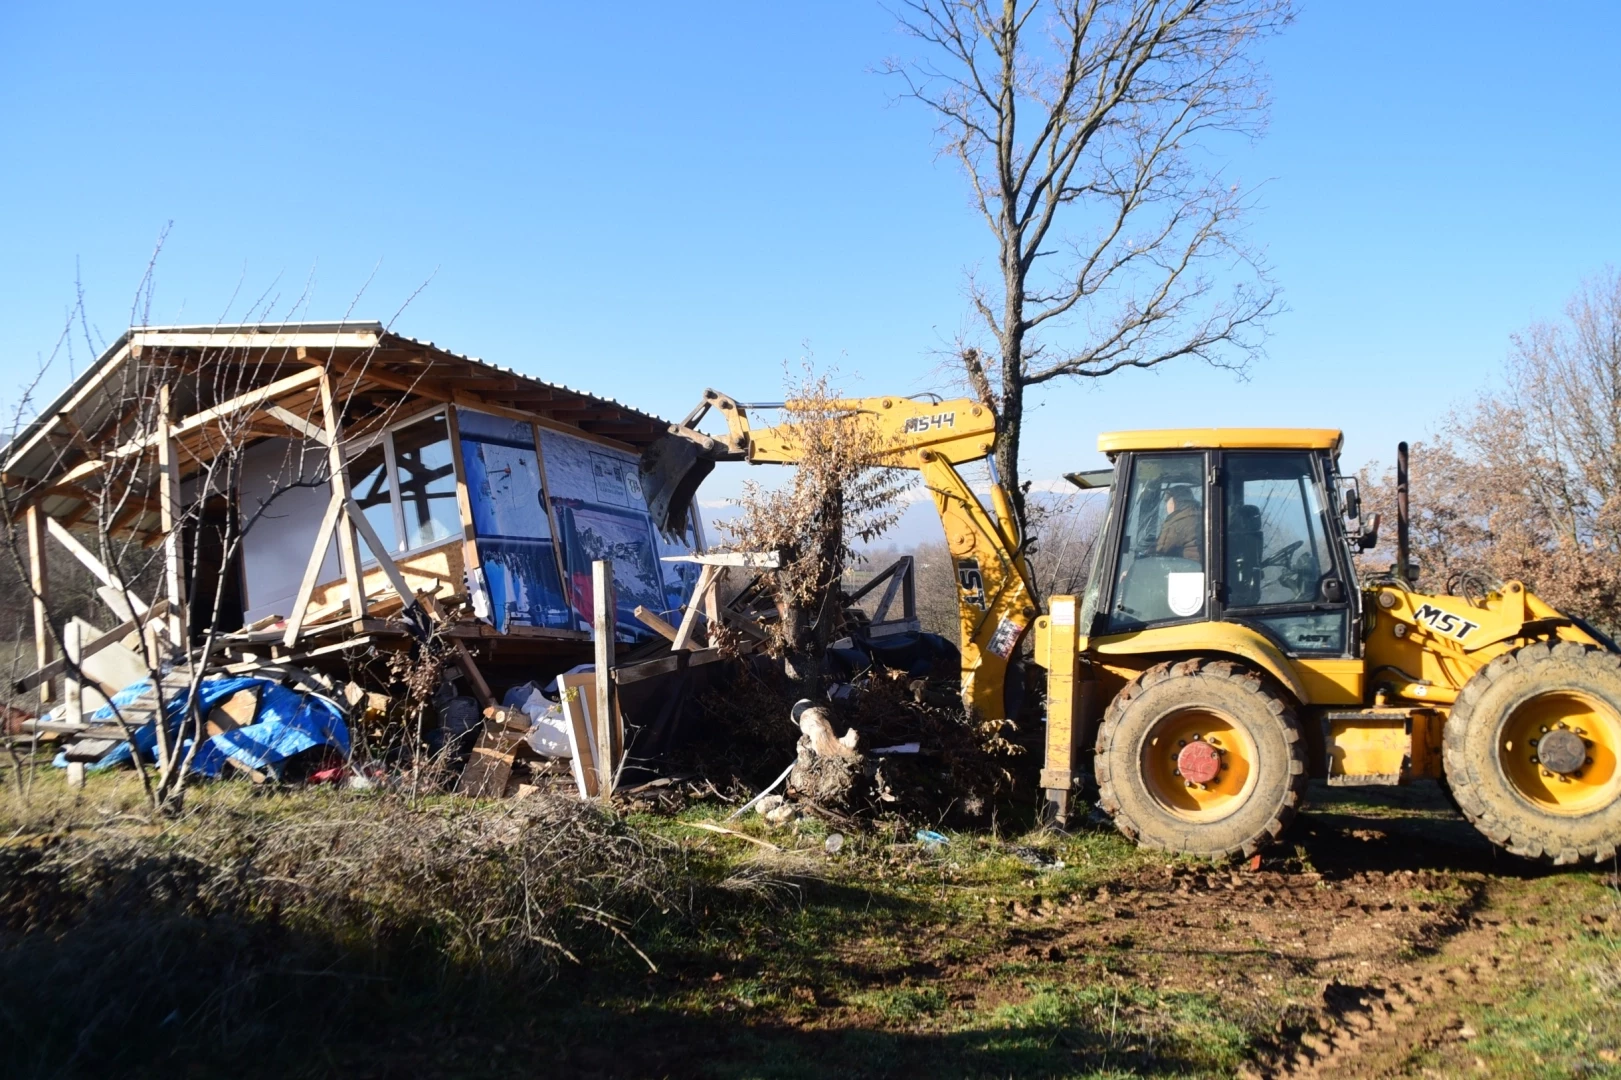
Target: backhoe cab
(1223, 653)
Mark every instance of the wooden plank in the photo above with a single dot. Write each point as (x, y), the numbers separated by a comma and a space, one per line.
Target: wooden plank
(603, 629)
(312, 569)
(489, 767)
(91, 648)
(576, 691)
(683, 636)
(654, 623)
(189, 425)
(61, 535)
(37, 581)
(251, 341)
(252, 399)
(236, 711)
(754, 560)
(665, 665)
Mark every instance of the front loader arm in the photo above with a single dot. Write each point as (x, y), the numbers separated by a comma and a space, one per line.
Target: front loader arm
(994, 588)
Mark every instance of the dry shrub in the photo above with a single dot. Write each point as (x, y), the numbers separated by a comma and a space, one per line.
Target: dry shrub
(840, 494)
(1526, 484)
(231, 928)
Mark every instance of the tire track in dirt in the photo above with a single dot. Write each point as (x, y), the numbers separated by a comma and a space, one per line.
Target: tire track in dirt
(1276, 925)
(1373, 1030)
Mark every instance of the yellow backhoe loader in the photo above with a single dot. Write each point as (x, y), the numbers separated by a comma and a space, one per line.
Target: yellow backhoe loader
(1224, 652)
(996, 599)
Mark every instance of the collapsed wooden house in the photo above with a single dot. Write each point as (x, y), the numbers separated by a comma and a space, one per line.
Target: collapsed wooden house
(310, 489)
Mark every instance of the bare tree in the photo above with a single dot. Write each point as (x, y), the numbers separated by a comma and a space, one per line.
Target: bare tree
(1087, 130)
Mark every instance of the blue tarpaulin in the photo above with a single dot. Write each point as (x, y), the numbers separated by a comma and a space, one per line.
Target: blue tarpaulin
(286, 723)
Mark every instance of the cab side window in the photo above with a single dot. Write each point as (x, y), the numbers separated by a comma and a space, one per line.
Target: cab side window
(1276, 549)
(1160, 571)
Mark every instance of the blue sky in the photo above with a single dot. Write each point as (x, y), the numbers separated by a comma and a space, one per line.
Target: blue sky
(647, 199)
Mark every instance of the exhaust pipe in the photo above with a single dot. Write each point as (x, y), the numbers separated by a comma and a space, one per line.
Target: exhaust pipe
(1403, 565)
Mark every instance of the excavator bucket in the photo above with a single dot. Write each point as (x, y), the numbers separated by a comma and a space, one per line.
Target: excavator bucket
(671, 470)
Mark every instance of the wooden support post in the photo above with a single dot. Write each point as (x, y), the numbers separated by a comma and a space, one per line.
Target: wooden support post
(607, 720)
(43, 646)
(348, 549)
(169, 512)
(464, 500)
(72, 688)
(73, 691)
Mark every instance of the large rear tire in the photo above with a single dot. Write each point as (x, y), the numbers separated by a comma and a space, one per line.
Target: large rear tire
(1566, 808)
(1200, 757)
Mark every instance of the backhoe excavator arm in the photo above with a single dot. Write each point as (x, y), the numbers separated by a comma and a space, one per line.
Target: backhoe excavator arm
(994, 593)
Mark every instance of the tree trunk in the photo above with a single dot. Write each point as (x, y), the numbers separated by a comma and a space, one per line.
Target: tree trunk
(1010, 422)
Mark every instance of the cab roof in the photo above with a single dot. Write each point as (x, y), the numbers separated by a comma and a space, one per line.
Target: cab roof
(1221, 439)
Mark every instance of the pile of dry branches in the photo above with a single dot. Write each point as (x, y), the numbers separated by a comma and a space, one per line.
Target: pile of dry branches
(840, 495)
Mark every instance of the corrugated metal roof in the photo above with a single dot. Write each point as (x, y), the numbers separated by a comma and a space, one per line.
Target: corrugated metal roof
(520, 375)
(386, 338)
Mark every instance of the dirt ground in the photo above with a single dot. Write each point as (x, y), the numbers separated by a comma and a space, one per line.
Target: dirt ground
(1384, 938)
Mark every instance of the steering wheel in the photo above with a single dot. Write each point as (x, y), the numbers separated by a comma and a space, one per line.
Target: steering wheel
(1280, 557)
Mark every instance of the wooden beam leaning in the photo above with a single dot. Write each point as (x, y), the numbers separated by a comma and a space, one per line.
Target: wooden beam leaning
(653, 622)
(312, 570)
(61, 535)
(37, 566)
(683, 636)
(385, 559)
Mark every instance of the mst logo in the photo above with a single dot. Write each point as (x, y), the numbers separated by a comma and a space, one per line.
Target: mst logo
(971, 582)
(918, 424)
(1444, 622)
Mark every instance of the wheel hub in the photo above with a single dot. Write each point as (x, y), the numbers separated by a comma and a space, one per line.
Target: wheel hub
(1561, 751)
(1198, 762)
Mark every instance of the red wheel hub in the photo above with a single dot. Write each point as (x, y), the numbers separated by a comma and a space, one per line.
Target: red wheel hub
(1198, 762)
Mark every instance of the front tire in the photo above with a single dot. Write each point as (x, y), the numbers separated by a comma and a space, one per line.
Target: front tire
(1566, 808)
(1200, 757)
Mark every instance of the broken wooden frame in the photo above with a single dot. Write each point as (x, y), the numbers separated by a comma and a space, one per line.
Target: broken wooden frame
(324, 388)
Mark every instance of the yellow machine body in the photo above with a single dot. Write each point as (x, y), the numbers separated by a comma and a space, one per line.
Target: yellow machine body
(1373, 714)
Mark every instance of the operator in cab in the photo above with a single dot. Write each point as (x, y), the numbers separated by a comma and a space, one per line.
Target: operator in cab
(1180, 525)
